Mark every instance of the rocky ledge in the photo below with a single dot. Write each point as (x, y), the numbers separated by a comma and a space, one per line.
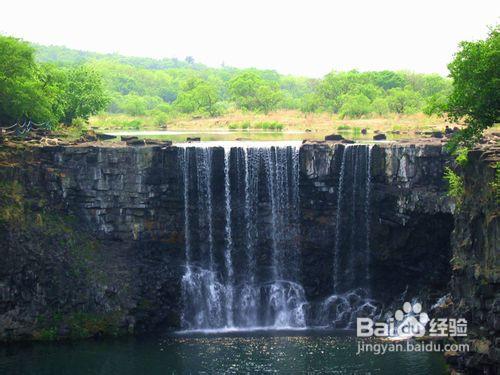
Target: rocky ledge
(93, 243)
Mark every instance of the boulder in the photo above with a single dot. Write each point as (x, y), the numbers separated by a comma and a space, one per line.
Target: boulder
(126, 138)
(437, 134)
(149, 142)
(347, 141)
(379, 137)
(193, 139)
(364, 131)
(89, 136)
(334, 137)
(105, 137)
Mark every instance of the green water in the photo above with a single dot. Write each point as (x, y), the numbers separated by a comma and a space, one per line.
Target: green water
(285, 353)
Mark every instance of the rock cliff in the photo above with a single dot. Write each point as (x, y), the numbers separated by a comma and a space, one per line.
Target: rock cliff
(92, 237)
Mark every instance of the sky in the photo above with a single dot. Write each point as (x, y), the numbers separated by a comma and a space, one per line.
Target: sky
(308, 38)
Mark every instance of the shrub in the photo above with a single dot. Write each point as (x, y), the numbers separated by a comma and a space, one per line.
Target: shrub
(455, 185)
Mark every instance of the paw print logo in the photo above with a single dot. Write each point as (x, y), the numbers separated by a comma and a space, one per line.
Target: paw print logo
(411, 320)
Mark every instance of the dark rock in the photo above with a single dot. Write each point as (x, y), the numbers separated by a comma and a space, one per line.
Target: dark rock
(126, 138)
(105, 137)
(474, 286)
(347, 141)
(89, 136)
(136, 142)
(334, 137)
(308, 130)
(379, 137)
(437, 134)
(193, 139)
(129, 201)
(364, 131)
(149, 142)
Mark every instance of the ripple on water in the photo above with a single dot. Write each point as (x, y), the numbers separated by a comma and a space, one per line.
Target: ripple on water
(281, 352)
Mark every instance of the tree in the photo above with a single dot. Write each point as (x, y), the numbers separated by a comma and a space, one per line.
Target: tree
(334, 86)
(252, 92)
(404, 100)
(310, 104)
(199, 96)
(268, 96)
(380, 106)
(83, 94)
(355, 105)
(134, 105)
(475, 97)
(22, 91)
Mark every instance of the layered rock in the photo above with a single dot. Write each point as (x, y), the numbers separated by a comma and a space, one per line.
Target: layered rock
(476, 244)
(126, 205)
(410, 218)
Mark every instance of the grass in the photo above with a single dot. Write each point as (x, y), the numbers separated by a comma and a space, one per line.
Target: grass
(291, 120)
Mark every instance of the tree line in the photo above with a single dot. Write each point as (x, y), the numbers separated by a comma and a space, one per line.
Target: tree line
(57, 84)
(45, 92)
(139, 86)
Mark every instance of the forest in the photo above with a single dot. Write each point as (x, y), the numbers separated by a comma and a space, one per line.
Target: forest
(138, 86)
(54, 77)
(58, 85)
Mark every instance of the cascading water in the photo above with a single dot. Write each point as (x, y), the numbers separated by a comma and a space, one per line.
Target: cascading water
(351, 250)
(241, 224)
(245, 275)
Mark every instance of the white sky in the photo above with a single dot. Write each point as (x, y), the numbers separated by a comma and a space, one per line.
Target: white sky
(308, 37)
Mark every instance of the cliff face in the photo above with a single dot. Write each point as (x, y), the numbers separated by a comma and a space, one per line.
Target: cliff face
(410, 217)
(93, 237)
(91, 241)
(476, 244)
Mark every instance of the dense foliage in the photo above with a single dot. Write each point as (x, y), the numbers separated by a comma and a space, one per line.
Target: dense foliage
(475, 98)
(45, 92)
(168, 87)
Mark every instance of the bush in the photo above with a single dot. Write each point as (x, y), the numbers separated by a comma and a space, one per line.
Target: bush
(455, 185)
(270, 125)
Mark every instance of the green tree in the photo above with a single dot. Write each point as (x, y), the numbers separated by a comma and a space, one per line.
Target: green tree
(435, 104)
(380, 106)
(22, 89)
(199, 96)
(134, 105)
(355, 105)
(252, 92)
(268, 96)
(334, 86)
(404, 100)
(83, 94)
(310, 103)
(475, 97)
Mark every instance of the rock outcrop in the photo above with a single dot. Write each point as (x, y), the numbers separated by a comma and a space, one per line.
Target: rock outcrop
(476, 245)
(410, 218)
(93, 237)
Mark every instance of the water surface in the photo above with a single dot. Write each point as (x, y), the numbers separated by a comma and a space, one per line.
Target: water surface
(253, 352)
(250, 135)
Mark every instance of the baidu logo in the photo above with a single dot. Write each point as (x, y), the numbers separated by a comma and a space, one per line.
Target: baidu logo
(407, 322)
(411, 321)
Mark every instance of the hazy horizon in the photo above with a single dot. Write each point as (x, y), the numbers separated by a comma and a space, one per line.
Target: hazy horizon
(306, 39)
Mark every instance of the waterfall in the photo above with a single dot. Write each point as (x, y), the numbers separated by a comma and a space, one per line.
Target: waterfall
(241, 229)
(229, 240)
(351, 250)
(336, 258)
(242, 257)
